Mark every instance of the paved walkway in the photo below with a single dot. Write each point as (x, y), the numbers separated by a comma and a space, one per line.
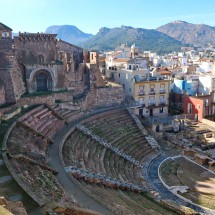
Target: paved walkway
(154, 180)
(65, 181)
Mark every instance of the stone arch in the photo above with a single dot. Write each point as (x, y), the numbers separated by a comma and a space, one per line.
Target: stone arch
(41, 79)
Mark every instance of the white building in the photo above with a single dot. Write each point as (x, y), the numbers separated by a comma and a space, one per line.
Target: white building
(206, 65)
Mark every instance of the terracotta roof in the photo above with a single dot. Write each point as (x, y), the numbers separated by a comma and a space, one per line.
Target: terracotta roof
(102, 58)
(4, 27)
(164, 72)
(207, 60)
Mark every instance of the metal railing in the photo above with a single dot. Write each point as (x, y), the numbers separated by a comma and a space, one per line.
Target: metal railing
(141, 93)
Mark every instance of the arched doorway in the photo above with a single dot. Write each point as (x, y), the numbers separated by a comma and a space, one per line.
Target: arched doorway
(43, 81)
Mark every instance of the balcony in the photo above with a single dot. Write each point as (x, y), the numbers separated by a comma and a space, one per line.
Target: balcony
(162, 91)
(141, 93)
(136, 104)
(151, 92)
(162, 103)
(151, 104)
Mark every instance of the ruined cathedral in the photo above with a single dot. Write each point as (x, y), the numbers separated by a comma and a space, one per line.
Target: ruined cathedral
(37, 63)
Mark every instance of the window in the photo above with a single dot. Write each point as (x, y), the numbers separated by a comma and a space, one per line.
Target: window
(141, 90)
(198, 107)
(161, 99)
(68, 57)
(152, 88)
(119, 75)
(141, 101)
(126, 76)
(162, 88)
(5, 34)
(61, 55)
(92, 56)
(151, 100)
(41, 59)
(161, 109)
(189, 108)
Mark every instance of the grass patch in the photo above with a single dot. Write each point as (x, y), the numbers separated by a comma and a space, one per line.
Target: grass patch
(97, 131)
(182, 172)
(200, 199)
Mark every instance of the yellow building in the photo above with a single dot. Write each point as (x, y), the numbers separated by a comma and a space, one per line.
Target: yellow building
(151, 96)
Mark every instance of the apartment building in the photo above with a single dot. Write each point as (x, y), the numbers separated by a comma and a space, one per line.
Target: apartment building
(151, 96)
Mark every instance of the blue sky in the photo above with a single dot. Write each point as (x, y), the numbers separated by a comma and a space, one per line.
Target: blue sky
(90, 15)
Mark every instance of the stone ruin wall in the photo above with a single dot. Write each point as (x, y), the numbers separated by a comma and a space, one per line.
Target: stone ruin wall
(6, 77)
(29, 46)
(6, 45)
(17, 80)
(71, 56)
(46, 99)
(103, 97)
(10, 73)
(2, 94)
(11, 77)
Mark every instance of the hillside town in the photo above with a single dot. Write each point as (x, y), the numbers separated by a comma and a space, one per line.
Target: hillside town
(124, 131)
(157, 85)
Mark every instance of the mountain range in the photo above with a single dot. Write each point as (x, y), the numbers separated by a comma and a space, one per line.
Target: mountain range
(188, 33)
(167, 38)
(69, 33)
(109, 38)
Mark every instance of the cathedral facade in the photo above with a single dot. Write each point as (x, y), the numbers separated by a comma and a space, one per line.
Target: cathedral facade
(36, 62)
(33, 63)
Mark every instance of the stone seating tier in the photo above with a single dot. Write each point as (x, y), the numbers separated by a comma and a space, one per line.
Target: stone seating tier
(23, 141)
(82, 152)
(44, 121)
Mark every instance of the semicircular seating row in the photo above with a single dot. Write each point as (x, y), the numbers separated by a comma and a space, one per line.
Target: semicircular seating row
(44, 121)
(81, 151)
